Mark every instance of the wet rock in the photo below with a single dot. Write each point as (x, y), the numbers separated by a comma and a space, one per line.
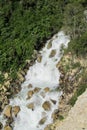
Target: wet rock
(53, 101)
(46, 105)
(30, 94)
(52, 54)
(7, 127)
(1, 126)
(43, 114)
(42, 94)
(46, 89)
(8, 111)
(43, 120)
(39, 59)
(49, 45)
(31, 106)
(30, 86)
(16, 110)
(36, 90)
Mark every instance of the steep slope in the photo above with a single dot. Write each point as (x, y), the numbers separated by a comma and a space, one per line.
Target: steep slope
(77, 118)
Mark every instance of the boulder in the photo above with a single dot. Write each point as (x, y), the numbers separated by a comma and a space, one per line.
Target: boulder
(52, 54)
(36, 90)
(8, 111)
(42, 121)
(46, 89)
(46, 105)
(7, 127)
(39, 59)
(15, 110)
(31, 106)
(49, 45)
(30, 94)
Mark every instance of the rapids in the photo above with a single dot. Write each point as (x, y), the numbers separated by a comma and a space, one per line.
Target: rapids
(41, 75)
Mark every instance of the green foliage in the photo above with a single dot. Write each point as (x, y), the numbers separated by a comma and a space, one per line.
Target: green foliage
(74, 19)
(81, 88)
(60, 117)
(79, 45)
(1, 78)
(24, 26)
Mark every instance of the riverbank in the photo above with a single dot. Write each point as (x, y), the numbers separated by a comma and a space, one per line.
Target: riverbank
(73, 83)
(77, 116)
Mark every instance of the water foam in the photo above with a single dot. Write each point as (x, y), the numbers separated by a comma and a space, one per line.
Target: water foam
(42, 75)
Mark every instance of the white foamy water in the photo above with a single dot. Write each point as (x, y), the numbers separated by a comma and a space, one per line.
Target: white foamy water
(42, 75)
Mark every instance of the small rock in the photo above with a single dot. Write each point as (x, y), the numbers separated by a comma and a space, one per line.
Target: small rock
(49, 45)
(30, 86)
(23, 73)
(46, 89)
(16, 110)
(48, 127)
(53, 101)
(30, 94)
(55, 114)
(7, 127)
(42, 94)
(57, 65)
(39, 59)
(20, 76)
(31, 106)
(36, 90)
(6, 75)
(46, 105)
(9, 121)
(52, 54)
(42, 121)
(8, 111)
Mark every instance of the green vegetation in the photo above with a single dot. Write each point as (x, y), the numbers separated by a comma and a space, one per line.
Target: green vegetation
(25, 25)
(81, 87)
(78, 46)
(79, 91)
(60, 117)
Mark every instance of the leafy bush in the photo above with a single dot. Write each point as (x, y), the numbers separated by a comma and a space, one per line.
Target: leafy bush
(24, 26)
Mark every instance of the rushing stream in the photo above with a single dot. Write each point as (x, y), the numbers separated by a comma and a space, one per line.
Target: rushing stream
(41, 75)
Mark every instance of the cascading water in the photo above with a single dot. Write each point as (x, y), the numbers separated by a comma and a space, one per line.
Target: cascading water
(40, 75)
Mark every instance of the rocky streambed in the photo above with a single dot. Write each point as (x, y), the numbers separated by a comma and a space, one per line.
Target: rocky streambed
(35, 104)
